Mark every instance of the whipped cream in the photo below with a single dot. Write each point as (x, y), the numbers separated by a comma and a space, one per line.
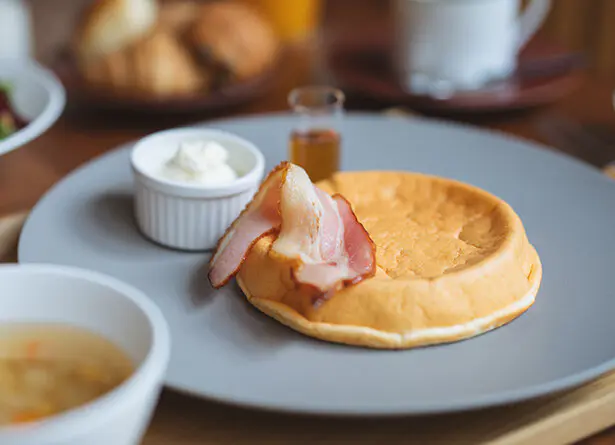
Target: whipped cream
(201, 162)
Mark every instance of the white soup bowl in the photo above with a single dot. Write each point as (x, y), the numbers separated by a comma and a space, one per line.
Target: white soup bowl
(105, 306)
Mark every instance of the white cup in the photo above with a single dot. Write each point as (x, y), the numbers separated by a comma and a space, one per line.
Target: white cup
(443, 46)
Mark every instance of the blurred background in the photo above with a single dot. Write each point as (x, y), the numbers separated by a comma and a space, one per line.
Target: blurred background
(582, 25)
(347, 43)
(131, 67)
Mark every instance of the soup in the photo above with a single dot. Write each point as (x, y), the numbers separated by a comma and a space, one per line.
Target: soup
(49, 369)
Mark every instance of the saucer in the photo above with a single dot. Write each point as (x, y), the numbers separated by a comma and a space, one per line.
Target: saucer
(362, 65)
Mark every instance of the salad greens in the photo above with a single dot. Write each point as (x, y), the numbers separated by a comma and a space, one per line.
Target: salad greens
(10, 121)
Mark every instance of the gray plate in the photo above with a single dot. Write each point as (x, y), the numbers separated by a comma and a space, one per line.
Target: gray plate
(224, 349)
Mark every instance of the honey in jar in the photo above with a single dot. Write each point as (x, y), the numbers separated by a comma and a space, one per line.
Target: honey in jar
(315, 141)
(317, 151)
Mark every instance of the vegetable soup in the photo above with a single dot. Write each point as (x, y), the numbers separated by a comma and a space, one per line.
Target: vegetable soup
(49, 369)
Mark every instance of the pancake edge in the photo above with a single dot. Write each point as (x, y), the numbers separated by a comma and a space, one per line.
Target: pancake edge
(373, 338)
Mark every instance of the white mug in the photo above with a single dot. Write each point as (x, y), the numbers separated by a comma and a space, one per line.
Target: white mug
(447, 45)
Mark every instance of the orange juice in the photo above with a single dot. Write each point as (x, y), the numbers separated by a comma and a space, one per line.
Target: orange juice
(292, 19)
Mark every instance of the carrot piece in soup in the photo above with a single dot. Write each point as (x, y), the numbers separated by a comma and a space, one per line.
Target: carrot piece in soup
(32, 349)
(25, 417)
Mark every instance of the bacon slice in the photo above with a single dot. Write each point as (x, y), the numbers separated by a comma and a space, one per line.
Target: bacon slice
(260, 218)
(353, 260)
(320, 235)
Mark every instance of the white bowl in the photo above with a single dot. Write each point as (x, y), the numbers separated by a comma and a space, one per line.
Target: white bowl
(191, 216)
(105, 306)
(38, 96)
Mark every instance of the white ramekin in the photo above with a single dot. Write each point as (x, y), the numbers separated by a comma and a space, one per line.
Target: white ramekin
(55, 294)
(190, 216)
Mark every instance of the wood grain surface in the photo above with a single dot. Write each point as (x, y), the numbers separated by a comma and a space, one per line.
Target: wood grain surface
(80, 135)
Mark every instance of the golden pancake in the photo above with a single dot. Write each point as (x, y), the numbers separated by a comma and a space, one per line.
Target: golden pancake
(453, 262)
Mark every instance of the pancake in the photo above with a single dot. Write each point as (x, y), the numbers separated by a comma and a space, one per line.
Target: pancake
(453, 261)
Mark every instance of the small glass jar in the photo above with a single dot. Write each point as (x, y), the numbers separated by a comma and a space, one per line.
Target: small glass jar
(315, 141)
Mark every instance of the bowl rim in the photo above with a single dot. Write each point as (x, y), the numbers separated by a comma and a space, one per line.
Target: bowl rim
(190, 190)
(56, 103)
(151, 370)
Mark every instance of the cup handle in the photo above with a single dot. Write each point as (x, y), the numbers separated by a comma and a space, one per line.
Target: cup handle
(531, 20)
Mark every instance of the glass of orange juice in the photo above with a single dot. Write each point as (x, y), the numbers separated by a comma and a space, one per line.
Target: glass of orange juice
(293, 20)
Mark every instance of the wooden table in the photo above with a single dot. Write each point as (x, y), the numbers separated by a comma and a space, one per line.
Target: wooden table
(79, 136)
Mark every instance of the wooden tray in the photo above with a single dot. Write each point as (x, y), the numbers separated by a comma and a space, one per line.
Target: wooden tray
(182, 420)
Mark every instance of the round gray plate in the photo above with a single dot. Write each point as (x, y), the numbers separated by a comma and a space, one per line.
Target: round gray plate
(226, 350)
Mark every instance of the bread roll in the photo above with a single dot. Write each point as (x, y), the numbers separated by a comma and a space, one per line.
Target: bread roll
(163, 66)
(157, 64)
(234, 37)
(110, 25)
(178, 15)
(180, 47)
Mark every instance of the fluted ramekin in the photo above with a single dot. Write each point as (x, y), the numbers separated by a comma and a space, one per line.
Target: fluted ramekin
(190, 216)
